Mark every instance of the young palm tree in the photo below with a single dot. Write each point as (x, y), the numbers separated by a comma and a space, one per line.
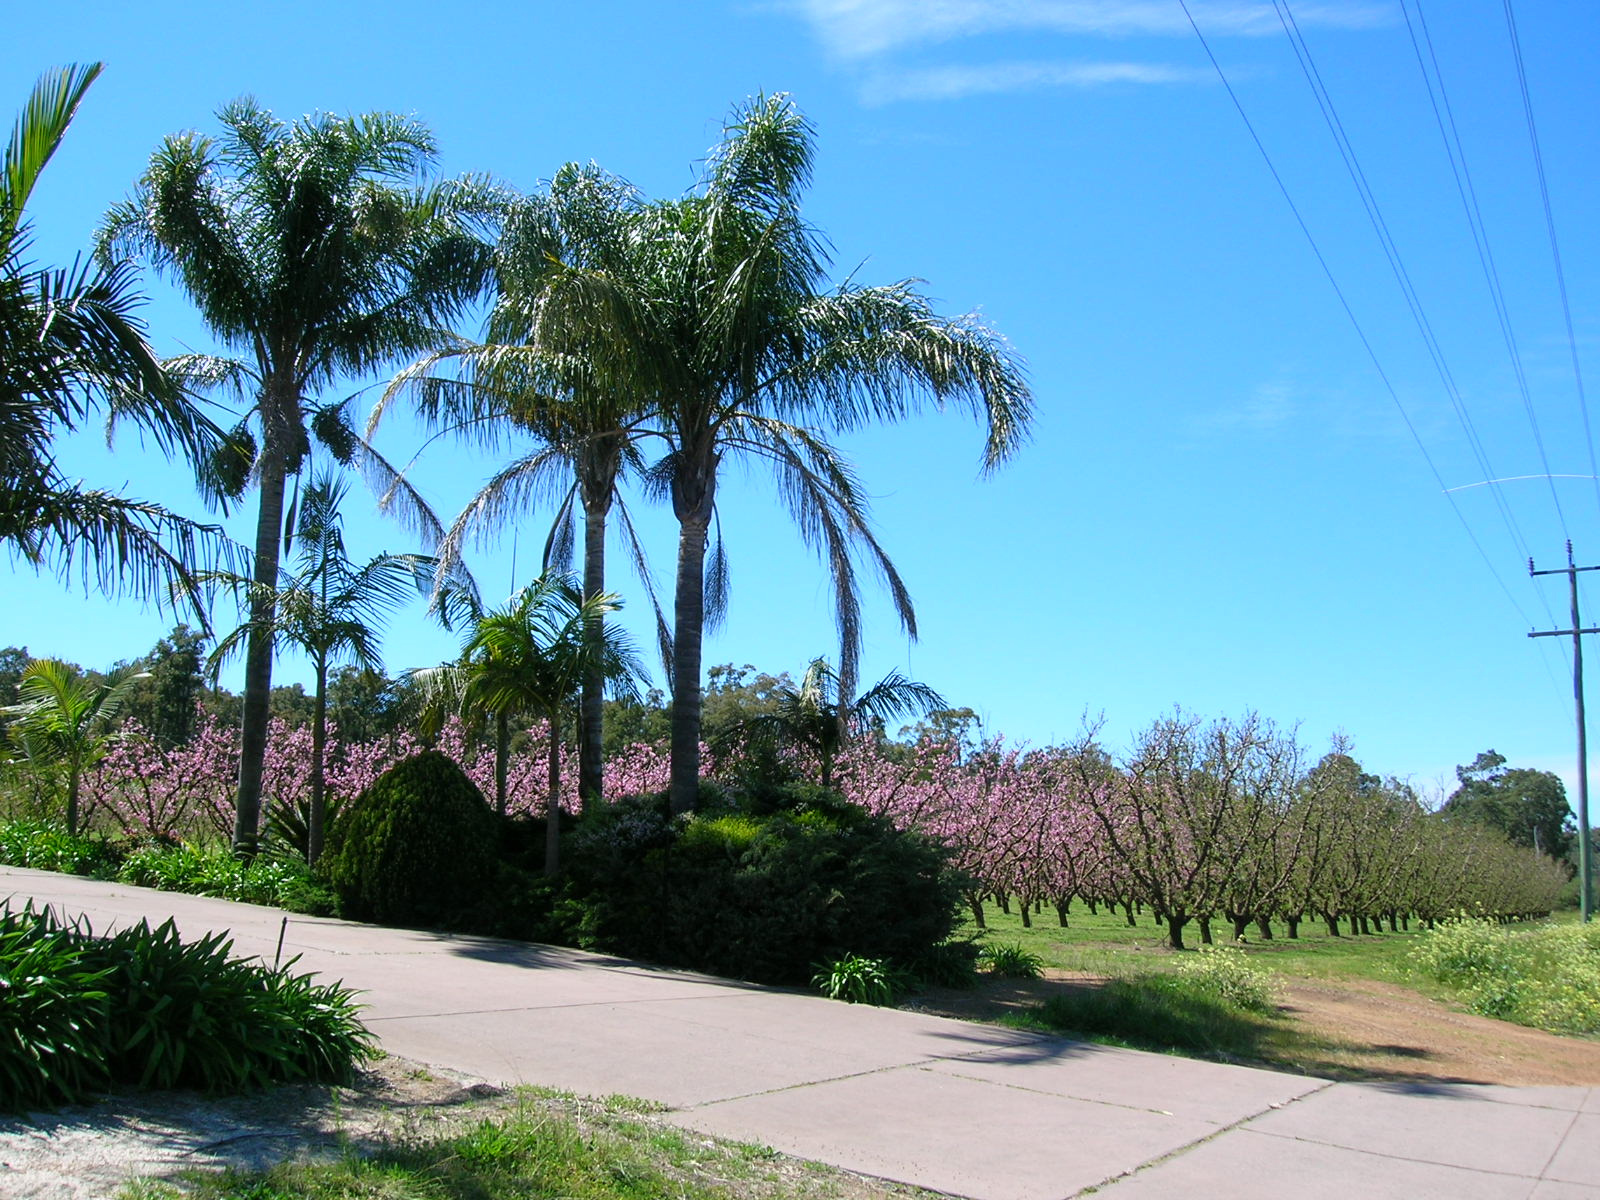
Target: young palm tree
(310, 250)
(750, 354)
(813, 715)
(70, 344)
(530, 658)
(63, 718)
(329, 609)
(546, 370)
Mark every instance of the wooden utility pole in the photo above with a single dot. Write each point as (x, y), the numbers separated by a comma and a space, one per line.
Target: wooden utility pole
(1585, 876)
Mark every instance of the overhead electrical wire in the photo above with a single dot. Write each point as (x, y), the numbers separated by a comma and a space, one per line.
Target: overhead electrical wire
(1349, 312)
(1397, 266)
(1550, 229)
(1449, 133)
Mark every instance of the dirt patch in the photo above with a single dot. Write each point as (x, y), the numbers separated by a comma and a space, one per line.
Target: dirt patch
(89, 1151)
(1351, 1029)
(1386, 1029)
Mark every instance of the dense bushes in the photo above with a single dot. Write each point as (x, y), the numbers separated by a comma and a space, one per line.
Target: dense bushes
(765, 897)
(282, 881)
(145, 1008)
(416, 848)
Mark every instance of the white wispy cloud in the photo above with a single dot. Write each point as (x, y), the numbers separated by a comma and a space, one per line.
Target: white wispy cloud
(1269, 407)
(954, 82)
(856, 29)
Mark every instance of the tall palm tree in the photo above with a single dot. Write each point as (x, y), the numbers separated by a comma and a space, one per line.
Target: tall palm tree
(70, 344)
(328, 608)
(814, 715)
(751, 354)
(546, 368)
(529, 658)
(311, 251)
(64, 718)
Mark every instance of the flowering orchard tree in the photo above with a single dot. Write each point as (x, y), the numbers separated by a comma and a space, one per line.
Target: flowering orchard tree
(145, 790)
(1198, 821)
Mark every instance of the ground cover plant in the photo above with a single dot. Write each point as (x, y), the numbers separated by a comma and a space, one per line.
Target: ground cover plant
(1546, 976)
(144, 1008)
(537, 1143)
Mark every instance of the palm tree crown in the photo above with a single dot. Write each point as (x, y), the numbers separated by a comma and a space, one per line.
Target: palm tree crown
(530, 657)
(547, 369)
(816, 717)
(311, 251)
(62, 717)
(749, 353)
(327, 607)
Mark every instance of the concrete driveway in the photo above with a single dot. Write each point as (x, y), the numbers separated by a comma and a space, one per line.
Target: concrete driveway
(968, 1109)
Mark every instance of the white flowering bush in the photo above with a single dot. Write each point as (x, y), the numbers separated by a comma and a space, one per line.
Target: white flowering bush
(1228, 973)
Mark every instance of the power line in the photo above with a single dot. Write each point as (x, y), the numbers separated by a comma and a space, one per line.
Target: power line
(1456, 153)
(1550, 229)
(1344, 303)
(1391, 251)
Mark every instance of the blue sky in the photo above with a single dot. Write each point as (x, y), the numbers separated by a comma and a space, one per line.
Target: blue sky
(1222, 505)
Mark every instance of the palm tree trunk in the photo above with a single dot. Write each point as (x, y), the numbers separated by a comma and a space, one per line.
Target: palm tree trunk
(319, 742)
(688, 626)
(694, 487)
(591, 763)
(502, 758)
(258, 650)
(74, 771)
(552, 807)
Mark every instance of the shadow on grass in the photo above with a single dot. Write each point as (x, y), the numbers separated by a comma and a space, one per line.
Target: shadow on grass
(1169, 1015)
(1158, 1012)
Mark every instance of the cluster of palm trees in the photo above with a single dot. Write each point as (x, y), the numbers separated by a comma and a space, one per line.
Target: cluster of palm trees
(628, 340)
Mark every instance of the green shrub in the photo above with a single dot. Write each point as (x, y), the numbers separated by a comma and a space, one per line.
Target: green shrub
(416, 848)
(952, 964)
(279, 880)
(185, 1014)
(47, 846)
(52, 1013)
(146, 1009)
(760, 897)
(1232, 977)
(1011, 961)
(856, 981)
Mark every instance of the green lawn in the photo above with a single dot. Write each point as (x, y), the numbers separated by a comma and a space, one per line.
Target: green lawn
(1104, 944)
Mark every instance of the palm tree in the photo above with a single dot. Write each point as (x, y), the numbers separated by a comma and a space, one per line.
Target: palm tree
(65, 718)
(530, 658)
(69, 343)
(329, 609)
(546, 369)
(311, 251)
(814, 715)
(749, 354)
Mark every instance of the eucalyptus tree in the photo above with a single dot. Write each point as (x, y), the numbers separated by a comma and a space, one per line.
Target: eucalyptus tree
(529, 658)
(748, 353)
(313, 253)
(70, 345)
(328, 608)
(553, 366)
(814, 716)
(62, 717)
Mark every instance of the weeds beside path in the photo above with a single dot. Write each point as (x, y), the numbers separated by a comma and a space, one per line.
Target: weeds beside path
(1348, 1007)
